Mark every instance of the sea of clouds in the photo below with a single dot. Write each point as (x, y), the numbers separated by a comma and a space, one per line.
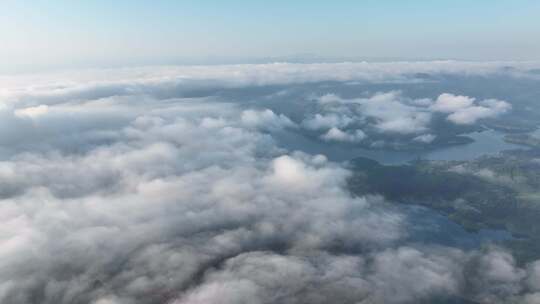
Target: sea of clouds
(116, 188)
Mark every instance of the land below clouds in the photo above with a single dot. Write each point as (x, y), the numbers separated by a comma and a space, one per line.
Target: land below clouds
(492, 192)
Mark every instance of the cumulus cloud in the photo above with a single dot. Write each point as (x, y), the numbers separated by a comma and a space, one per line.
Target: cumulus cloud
(386, 112)
(425, 138)
(326, 121)
(394, 116)
(464, 111)
(328, 98)
(386, 116)
(263, 277)
(500, 281)
(335, 134)
(266, 119)
(448, 103)
(373, 118)
(401, 275)
(534, 276)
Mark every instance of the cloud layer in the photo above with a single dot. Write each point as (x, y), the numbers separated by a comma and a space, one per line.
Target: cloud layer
(124, 191)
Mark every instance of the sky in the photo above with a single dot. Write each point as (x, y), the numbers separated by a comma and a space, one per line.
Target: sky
(37, 34)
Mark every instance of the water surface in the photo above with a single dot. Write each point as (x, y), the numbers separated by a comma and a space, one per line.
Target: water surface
(485, 142)
(428, 226)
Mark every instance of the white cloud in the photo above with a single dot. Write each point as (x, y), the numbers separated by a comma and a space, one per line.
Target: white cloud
(498, 106)
(469, 115)
(433, 273)
(390, 113)
(533, 280)
(463, 110)
(326, 121)
(425, 138)
(448, 103)
(32, 112)
(329, 98)
(266, 119)
(335, 134)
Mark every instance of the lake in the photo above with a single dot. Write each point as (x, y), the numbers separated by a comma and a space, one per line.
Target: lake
(485, 142)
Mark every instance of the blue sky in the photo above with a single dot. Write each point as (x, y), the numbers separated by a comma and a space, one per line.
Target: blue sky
(99, 32)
